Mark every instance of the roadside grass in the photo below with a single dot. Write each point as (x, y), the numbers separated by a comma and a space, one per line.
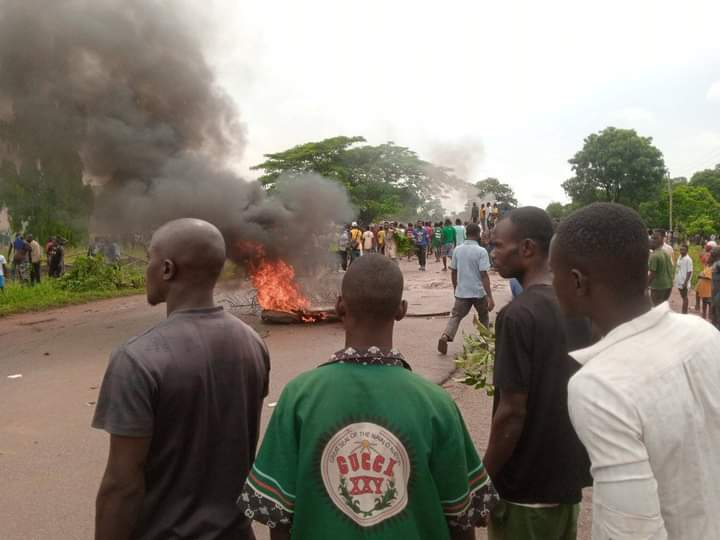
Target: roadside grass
(23, 298)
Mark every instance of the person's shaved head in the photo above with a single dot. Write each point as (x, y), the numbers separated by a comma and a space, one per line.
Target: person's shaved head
(184, 252)
(607, 242)
(372, 288)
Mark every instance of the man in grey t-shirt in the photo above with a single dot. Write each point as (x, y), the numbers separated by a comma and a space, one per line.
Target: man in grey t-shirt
(181, 403)
(471, 283)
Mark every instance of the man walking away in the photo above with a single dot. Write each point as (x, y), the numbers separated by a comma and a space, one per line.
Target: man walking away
(645, 402)
(368, 241)
(421, 244)
(660, 275)
(391, 241)
(181, 403)
(533, 453)
(437, 240)
(363, 448)
(343, 247)
(683, 274)
(381, 238)
(448, 243)
(459, 232)
(483, 217)
(475, 212)
(35, 257)
(355, 241)
(471, 284)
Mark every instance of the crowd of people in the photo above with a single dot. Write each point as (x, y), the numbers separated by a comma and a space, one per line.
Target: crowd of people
(595, 384)
(25, 254)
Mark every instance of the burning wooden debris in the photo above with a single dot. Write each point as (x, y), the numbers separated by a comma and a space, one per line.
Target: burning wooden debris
(310, 315)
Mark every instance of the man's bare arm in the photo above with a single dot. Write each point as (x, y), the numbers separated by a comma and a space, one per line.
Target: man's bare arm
(507, 426)
(453, 277)
(486, 285)
(122, 488)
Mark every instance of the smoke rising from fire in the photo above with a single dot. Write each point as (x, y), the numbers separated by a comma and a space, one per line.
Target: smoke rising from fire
(125, 86)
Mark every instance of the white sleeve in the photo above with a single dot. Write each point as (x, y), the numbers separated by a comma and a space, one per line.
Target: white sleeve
(625, 497)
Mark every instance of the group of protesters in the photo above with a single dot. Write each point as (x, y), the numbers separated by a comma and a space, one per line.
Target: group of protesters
(593, 385)
(25, 255)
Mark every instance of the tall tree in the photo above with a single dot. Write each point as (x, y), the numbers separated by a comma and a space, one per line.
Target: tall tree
(709, 178)
(383, 181)
(616, 165)
(502, 193)
(695, 210)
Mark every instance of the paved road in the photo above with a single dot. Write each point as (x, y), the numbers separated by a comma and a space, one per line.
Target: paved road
(51, 461)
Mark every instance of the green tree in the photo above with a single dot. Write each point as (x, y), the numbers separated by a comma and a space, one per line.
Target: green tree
(695, 210)
(48, 197)
(386, 180)
(503, 193)
(616, 165)
(709, 178)
(558, 210)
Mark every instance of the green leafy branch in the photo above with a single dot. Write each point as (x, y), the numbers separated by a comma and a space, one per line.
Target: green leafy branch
(477, 360)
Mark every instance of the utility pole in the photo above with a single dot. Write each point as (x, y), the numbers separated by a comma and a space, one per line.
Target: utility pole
(671, 204)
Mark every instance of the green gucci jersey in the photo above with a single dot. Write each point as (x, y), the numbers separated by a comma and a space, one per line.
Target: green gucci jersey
(363, 448)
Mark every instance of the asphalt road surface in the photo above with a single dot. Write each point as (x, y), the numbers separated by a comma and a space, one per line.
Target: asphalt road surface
(51, 461)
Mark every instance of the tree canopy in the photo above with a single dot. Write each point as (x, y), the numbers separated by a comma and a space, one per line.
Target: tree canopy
(502, 193)
(695, 210)
(708, 178)
(616, 165)
(383, 181)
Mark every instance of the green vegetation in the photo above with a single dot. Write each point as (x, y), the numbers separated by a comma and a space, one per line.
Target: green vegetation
(89, 279)
(477, 360)
(383, 181)
(503, 194)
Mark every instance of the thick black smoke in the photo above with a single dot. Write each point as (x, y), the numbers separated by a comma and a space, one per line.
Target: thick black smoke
(126, 86)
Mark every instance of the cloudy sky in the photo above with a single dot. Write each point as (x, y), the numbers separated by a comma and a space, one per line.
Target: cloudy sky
(506, 89)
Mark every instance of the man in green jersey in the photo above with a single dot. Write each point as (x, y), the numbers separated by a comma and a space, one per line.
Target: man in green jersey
(361, 445)
(660, 271)
(448, 243)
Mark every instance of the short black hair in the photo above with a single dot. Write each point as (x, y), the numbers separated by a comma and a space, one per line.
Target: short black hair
(458, 221)
(608, 240)
(372, 287)
(533, 223)
(473, 229)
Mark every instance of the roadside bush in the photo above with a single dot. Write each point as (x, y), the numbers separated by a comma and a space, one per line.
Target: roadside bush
(94, 274)
(404, 245)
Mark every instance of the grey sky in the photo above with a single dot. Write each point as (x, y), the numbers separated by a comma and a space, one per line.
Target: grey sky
(508, 88)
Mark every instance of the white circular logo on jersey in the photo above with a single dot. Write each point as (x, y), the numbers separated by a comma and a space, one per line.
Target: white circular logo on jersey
(366, 470)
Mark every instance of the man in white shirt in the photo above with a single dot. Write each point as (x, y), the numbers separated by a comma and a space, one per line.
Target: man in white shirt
(459, 232)
(645, 403)
(368, 240)
(683, 273)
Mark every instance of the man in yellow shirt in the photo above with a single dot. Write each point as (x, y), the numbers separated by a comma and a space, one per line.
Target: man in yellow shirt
(380, 236)
(355, 241)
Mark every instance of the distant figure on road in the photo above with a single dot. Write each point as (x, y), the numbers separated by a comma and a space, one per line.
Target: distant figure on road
(181, 403)
(645, 402)
(459, 232)
(475, 212)
(368, 240)
(421, 239)
(660, 271)
(471, 285)
(355, 241)
(534, 456)
(683, 275)
(361, 447)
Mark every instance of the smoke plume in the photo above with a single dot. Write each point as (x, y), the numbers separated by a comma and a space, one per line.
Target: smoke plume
(125, 86)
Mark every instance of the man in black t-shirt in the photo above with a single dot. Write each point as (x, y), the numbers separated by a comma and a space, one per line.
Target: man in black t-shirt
(534, 456)
(181, 403)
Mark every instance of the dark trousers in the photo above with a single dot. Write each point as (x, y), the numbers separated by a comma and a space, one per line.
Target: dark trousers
(35, 273)
(462, 308)
(422, 255)
(343, 254)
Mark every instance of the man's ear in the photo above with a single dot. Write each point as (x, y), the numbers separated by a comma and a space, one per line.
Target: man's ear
(527, 248)
(169, 270)
(582, 284)
(401, 311)
(340, 307)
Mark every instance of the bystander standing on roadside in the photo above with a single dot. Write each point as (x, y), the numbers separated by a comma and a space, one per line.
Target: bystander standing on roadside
(421, 244)
(3, 272)
(20, 252)
(660, 271)
(368, 240)
(475, 212)
(471, 285)
(391, 241)
(683, 276)
(380, 238)
(182, 403)
(534, 456)
(645, 401)
(703, 290)
(437, 240)
(355, 241)
(715, 272)
(459, 232)
(35, 259)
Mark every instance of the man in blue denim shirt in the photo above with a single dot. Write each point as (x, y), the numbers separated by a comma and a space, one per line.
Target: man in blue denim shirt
(470, 264)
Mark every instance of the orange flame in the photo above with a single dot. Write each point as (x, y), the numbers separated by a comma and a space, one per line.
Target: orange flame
(274, 281)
